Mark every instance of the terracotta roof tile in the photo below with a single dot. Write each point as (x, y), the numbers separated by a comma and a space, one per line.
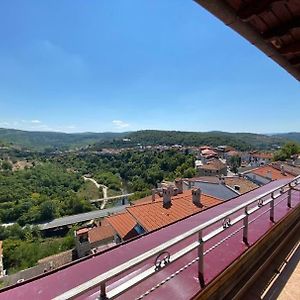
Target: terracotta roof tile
(123, 224)
(153, 215)
(276, 174)
(244, 184)
(101, 232)
(214, 164)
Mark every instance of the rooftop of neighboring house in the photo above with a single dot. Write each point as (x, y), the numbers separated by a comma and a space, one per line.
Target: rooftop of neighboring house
(271, 173)
(214, 164)
(262, 155)
(208, 152)
(155, 215)
(233, 153)
(216, 189)
(263, 175)
(123, 223)
(101, 232)
(243, 184)
(294, 170)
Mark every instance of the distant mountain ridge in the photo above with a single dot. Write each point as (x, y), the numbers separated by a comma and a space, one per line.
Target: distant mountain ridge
(39, 140)
(292, 136)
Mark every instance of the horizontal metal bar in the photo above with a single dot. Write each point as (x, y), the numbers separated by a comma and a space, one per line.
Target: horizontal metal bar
(149, 272)
(79, 290)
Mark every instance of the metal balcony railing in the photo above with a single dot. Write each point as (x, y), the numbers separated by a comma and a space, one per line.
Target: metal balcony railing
(241, 214)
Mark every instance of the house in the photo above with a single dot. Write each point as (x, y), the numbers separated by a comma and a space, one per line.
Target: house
(212, 186)
(265, 174)
(159, 211)
(124, 226)
(240, 184)
(86, 239)
(260, 158)
(213, 167)
(285, 167)
(224, 188)
(154, 215)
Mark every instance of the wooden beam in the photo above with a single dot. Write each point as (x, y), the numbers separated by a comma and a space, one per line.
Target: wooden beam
(281, 30)
(255, 7)
(293, 48)
(295, 61)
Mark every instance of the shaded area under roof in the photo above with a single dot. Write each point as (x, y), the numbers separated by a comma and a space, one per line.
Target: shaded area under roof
(271, 25)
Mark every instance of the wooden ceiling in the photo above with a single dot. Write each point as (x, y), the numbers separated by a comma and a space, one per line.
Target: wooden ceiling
(273, 26)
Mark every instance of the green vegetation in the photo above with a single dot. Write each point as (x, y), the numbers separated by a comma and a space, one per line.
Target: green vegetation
(40, 194)
(53, 140)
(24, 247)
(89, 191)
(287, 151)
(132, 170)
(49, 141)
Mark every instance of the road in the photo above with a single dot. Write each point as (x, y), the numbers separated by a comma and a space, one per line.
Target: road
(104, 190)
(69, 220)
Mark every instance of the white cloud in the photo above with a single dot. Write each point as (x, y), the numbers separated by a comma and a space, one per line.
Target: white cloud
(120, 124)
(35, 121)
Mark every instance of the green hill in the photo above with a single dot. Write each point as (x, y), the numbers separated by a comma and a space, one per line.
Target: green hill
(41, 140)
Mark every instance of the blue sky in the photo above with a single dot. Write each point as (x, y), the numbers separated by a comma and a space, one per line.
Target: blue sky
(109, 65)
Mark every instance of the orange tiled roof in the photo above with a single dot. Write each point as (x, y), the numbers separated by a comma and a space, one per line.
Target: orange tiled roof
(153, 215)
(101, 232)
(276, 174)
(244, 184)
(214, 164)
(123, 223)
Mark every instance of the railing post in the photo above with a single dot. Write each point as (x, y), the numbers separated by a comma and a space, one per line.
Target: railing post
(272, 208)
(201, 259)
(103, 291)
(289, 201)
(245, 229)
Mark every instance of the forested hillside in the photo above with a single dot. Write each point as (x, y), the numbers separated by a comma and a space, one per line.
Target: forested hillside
(42, 140)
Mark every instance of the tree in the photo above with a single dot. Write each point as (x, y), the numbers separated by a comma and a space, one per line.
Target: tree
(6, 165)
(48, 211)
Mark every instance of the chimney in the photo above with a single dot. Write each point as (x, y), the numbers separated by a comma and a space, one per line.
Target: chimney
(166, 197)
(179, 185)
(237, 187)
(196, 196)
(175, 191)
(269, 175)
(282, 169)
(222, 179)
(153, 194)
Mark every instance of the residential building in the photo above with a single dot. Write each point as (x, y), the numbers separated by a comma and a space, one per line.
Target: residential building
(86, 239)
(265, 174)
(124, 226)
(159, 211)
(213, 167)
(224, 188)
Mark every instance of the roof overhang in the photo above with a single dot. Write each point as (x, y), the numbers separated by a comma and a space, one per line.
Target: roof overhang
(273, 26)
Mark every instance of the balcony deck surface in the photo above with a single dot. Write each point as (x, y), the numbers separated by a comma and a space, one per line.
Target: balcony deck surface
(185, 283)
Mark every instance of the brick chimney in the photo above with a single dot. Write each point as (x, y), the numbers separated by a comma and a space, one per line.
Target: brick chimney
(167, 193)
(269, 175)
(153, 194)
(179, 185)
(196, 196)
(282, 169)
